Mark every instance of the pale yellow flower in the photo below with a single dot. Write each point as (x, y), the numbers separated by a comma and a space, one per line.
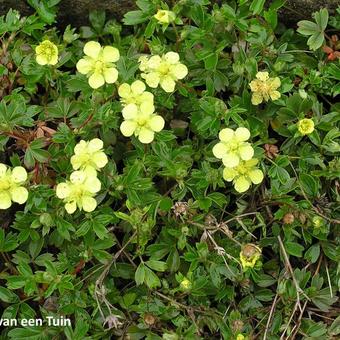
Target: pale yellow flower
(141, 122)
(164, 16)
(162, 70)
(134, 93)
(264, 88)
(185, 284)
(79, 192)
(98, 64)
(243, 175)
(11, 188)
(305, 126)
(89, 156)
(240, 337)
(46, 53)
(233, 147)
(249, 255)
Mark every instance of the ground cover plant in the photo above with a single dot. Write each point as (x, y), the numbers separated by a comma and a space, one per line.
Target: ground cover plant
(173, 175)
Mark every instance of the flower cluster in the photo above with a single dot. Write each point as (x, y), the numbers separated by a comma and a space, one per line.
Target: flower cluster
(135, 94)
(162, 70)
(46, 53)
(138, 112)
(89, 156)
(236, 154)
(243, 175)
(141, 121)
(11, 189)
(249, 256)
(233, 147)
(79, 191)
(264, 88)
(98, 64)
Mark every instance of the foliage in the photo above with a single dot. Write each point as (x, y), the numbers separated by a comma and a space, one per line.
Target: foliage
(169, 249)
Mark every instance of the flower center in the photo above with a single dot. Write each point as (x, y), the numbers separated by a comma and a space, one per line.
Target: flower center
(4, 184)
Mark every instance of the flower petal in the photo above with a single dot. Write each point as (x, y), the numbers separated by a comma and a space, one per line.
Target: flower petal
(156, 123)
(152, 79)
(100, 159)
(63, 190)
(145, 135)
(84, 65)
(124, 90)
(179, 71)
(19, 195)
(5, 200)
(275, 95)
(147, 108)
(256, 99)
(110, 54)
(168, 84)
(95, 144)
(92, 49)
(241, 184)
(92, 184)
(229, 174)
(246, 151)
(71, 207)
(96, 80)
(41, 59)
(256, 176)
(226, 134)
(219, 150)
(88, 203)
(77, 177)
(242, 134)
(110, 75)
(230, 160)
(130, 111)
(3, 169)
(19, 174)
(172, 57)
(138, 87)
(263, 76)
(128, 127)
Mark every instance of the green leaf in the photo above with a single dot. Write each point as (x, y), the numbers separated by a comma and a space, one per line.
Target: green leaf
(257, 6)
(309, 184)
(159, 266)
(135, 17)
(8, 296)
(100, 230)
(313, 253)
(294, 249)
(306, 27)
(151, 279)
(316, 41)
(321, 18)
(140, 274)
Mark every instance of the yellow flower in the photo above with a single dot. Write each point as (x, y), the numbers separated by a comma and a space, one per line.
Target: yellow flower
(249, 255)
(264, 88)
(98, 64)
(46, 53)
(162, 70)
(79, 192)
(243, 175)
(305, 126)
(11, 188)
(233, 146)
(89, 156)
(185, 284)
(240, 337)
(164, 16)
(141, 122)
(134, 93)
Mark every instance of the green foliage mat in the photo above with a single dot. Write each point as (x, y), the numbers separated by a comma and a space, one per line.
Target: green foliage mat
(206, 209)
